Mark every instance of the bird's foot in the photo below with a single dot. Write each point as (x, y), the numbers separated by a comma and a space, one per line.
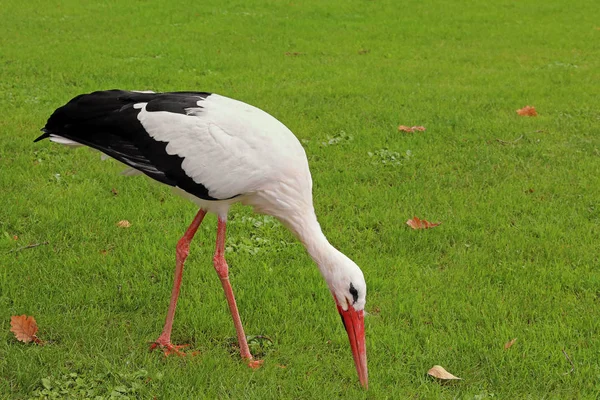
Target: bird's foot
(255, 364)
(168, 348)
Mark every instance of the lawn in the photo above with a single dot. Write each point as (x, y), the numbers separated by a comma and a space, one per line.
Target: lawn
(516, 255)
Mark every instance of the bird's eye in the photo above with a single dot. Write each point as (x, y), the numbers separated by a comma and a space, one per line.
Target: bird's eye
(354, 293)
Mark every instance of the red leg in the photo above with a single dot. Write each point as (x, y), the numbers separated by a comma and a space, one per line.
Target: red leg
(183, 248)
(223, 272)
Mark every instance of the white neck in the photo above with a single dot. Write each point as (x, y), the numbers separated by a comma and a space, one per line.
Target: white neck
(296, 212)
(340, 272)
(307, 229)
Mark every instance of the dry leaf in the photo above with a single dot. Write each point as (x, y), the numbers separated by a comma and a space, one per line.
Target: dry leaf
(437, 371)
(527, 111)
(124, 224)
(417, 223)
(114, 191)
(24, 328)
(404, 128)
(508, 345)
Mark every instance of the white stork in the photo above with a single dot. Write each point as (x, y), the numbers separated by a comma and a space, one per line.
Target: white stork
(216, 151)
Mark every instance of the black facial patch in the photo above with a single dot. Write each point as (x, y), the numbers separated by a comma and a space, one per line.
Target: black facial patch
(354, 293)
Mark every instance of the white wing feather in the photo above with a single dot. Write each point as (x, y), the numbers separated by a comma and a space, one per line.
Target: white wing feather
(64, 141)
(230, 147)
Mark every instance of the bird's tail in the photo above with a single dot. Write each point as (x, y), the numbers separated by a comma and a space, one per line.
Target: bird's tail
(44, 135)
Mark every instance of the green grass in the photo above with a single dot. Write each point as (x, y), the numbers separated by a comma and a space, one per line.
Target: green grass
(515, 257)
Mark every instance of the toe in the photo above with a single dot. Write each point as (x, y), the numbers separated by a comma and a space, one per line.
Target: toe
(255, 364)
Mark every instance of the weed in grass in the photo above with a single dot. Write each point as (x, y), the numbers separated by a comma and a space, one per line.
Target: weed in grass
(260, 346)
(256, 221)
(388, 157)
(250, 245)
(95, 386)
(341, 137)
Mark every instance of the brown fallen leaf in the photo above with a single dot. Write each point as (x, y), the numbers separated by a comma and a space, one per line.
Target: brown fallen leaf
(527, 111)
(417, 223)
(438, 372)
(24, 328)
(124, 224)
(404, 128)
(509, 344)
(114, 191)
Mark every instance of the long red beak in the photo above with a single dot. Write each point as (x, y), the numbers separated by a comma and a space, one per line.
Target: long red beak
(354, 322)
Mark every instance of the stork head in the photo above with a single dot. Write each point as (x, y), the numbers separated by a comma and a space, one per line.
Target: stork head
(347, 284)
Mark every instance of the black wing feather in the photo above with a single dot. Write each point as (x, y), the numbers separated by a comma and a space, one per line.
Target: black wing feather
(107, 121)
